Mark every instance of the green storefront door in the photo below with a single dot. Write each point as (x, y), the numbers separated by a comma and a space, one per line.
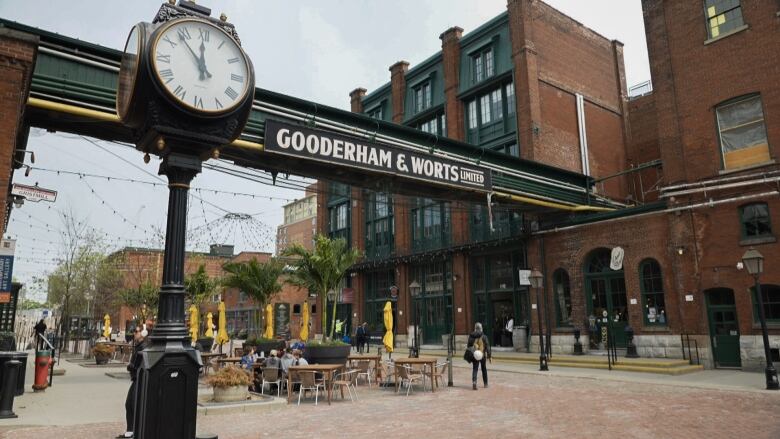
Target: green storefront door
(434, 313)
(608, 293)
(724, 330)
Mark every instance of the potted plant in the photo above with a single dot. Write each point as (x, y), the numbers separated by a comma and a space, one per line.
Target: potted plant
(327, 352)
(258, 280)
(205, 343)
(230, 383)
(102, 353)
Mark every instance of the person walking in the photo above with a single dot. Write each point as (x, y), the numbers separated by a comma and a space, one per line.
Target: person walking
(360, 335)
(39, 330)
(479, 343)
(132, 367)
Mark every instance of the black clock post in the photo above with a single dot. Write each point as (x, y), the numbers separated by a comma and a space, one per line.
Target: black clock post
(183, 134)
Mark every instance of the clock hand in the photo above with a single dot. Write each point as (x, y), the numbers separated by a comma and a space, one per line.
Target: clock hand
(202, 62)
(197, 59)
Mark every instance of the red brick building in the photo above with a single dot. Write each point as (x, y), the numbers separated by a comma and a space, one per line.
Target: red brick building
(694, 160)
(300, 222)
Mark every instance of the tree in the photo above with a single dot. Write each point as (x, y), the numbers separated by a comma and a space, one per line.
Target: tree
(142, 299)
(322, 270)
(200, 286)
(260, 281)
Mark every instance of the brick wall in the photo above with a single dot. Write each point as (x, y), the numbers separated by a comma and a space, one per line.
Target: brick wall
(17, 60)
(643, 147)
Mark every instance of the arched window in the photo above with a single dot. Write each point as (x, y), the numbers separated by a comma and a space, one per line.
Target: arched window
(770, 294)
(599, 262)
(652, 286)
(562, 297)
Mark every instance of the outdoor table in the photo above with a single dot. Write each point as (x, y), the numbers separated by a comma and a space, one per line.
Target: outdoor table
(363, 357)
(121, 346)
(327, 371)
(425, 361)
(207, 356)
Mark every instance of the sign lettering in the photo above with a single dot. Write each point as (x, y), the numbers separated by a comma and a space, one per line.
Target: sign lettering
(297, 141)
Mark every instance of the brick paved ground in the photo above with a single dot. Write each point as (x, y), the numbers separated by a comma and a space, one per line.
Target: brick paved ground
(515, 406)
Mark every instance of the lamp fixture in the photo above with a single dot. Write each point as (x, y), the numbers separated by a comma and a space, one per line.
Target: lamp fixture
(680, 250)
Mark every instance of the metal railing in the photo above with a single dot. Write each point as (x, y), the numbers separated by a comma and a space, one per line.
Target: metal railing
(685, 341)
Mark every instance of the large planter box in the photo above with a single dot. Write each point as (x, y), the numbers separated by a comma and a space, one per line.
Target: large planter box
(265, 347)
(327, 354)
(102, 359)
(229, 394)
(205, 344)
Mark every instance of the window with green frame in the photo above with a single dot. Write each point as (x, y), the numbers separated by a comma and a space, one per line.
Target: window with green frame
(377, 291)
(722, 16)
(436, 125)
(770, 294)
(755, 221)
(562, 290)
(375, 113)
(482, 65)
(506, 223)
(339, 211)
(652, 287)
(491, 114)
(430, 224)
(380, 228)
(422, 97)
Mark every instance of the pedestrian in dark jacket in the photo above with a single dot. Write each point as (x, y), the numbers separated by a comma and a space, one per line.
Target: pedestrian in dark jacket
(39, 330)
(132, 367)
(479, 341)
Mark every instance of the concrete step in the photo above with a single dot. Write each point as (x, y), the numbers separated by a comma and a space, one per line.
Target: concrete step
(651, 365)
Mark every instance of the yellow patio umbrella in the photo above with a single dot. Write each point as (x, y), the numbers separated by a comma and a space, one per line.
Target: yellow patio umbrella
(305, 322)
(209, 325)
(106, 326)
(387, 340)
(222, 336)
(194, 323)
(269, 321)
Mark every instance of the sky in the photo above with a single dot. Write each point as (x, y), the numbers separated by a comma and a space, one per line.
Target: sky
(313, 49)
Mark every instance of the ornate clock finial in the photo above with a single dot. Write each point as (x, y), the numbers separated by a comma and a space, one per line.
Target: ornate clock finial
(223, 17)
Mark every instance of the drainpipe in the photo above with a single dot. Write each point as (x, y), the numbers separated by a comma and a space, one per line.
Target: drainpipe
(582, 134)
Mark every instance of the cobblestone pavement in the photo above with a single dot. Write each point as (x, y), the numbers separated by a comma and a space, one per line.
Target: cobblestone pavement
(514, 406)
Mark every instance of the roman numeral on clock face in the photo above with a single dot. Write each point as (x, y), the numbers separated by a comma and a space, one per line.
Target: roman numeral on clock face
(198, 102)
(232, 94)
(184, 33)
(217, 103)
(233, 60)
(167, 39)
(167, 75)
(163, 58)
(203, 34)
(237, 78)
(179, 92)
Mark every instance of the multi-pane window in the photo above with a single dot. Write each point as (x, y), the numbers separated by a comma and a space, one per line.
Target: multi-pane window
(422, 97)
(379, 225)
(770, 295)
(509, 91)
(652, 292)
(472, 115)
(338, 217)
(375, 113)
(484, 105)
(338, 211)
(508, 149)
(755, 220)
(722, 16)
(562, 292)
(435, 125)
(742, 132)
(496, 104)
(430, 225)
(377, 288)
(482, 65)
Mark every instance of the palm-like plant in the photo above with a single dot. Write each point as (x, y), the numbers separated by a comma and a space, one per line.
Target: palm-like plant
(322, 270)
(260, 281)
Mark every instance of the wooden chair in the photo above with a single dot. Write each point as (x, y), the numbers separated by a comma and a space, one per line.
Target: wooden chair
(309, 382)
(346, 379)
(438, 372)
(408, 377)
(238, 352)
(271, 376)
(364, 369)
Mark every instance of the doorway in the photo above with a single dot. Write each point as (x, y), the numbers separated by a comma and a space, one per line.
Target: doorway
(606, 293)
(724, 328)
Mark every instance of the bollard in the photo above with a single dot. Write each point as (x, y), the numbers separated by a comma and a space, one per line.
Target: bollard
(8, 393)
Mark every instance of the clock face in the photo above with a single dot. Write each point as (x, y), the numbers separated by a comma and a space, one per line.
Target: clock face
(128, 71)
(200, 66)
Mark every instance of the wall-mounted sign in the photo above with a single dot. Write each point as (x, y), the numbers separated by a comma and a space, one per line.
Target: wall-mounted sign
(5, 297)
(324, 146)
(7, 248)
(347, 295)
(34, 193)
(525, 277)
(633, 301)
(689, 297)
(616, 260)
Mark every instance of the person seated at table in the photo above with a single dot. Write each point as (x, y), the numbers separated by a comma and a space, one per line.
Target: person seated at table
(273, 360)
(248, 358)
(286, 361)
(298, 359)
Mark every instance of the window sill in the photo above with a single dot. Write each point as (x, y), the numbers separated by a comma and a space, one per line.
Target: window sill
(746, 168)
(758, 240)
(769, 325)
(657, 328)
(727, 34)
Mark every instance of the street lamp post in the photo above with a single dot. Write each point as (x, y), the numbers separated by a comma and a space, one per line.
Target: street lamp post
(414, 290)
(754, 263)
(537, 280)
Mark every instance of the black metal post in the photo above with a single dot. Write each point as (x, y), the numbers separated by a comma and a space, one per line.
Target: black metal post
(450, 350)
(416, 349)
(769, 370)
(542, 350)
(10, 375)
(166, 396)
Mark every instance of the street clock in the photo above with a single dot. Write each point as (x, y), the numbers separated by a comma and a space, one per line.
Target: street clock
(185, 83)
